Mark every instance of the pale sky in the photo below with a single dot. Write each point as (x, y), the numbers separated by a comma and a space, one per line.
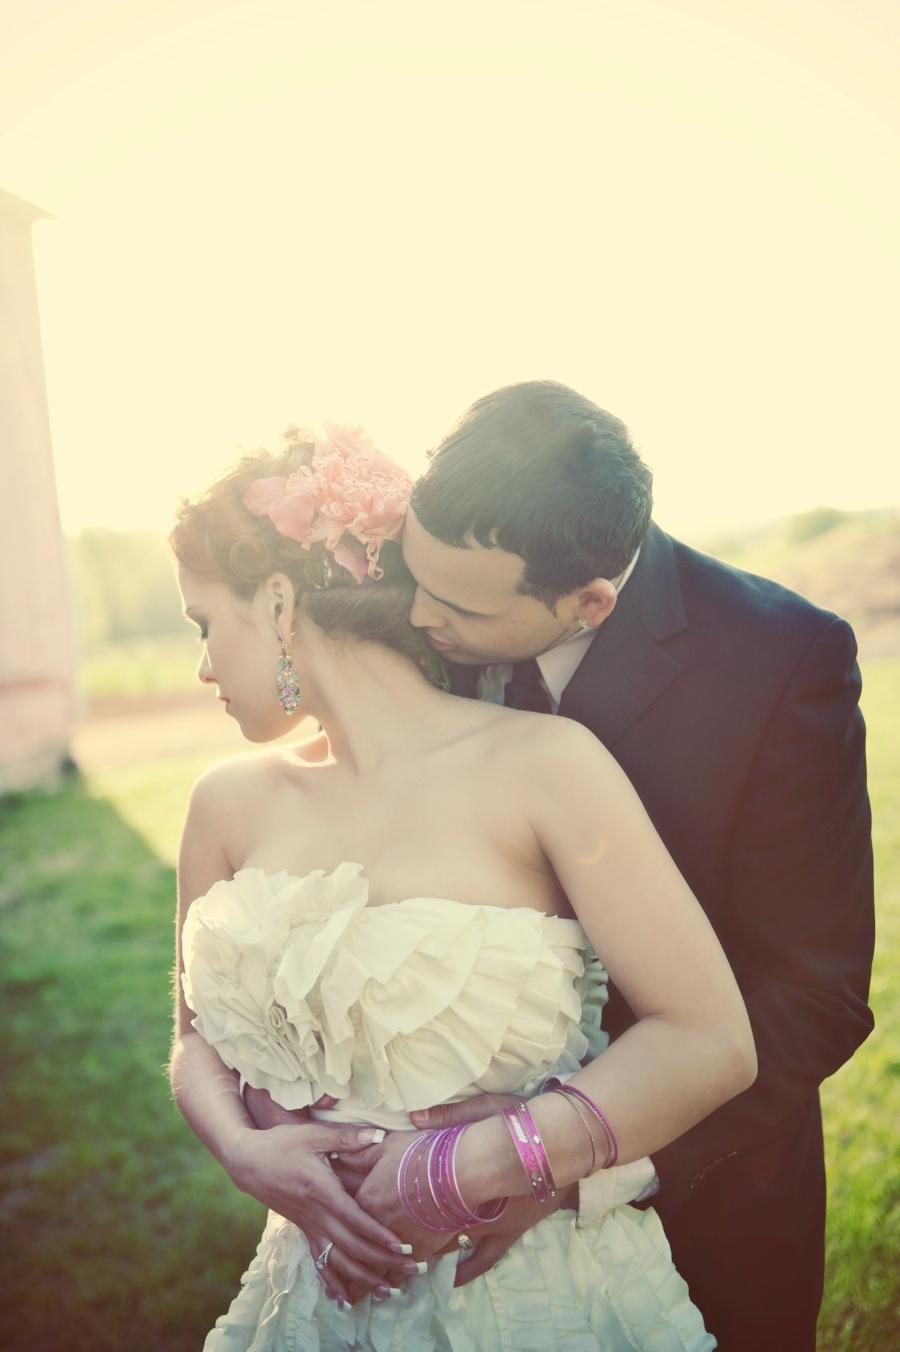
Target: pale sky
(270, 212)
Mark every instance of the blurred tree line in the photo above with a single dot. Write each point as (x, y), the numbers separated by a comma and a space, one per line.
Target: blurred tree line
(124, 581)
(124, 586)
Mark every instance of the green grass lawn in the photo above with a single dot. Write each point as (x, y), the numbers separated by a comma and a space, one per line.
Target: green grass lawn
(121, 1232)
(862, 1102)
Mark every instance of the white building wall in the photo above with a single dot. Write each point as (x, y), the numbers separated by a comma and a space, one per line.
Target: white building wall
(37, 664)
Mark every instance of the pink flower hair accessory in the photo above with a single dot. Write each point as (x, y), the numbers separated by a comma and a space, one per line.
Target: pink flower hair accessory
(350, 498)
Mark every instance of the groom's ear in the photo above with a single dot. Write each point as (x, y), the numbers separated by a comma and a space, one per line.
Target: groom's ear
(595, 602)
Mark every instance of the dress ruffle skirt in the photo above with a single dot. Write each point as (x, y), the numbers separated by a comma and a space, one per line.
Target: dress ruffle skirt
(610, 1285)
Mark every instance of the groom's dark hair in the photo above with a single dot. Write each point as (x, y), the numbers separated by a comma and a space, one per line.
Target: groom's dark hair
(538, 470)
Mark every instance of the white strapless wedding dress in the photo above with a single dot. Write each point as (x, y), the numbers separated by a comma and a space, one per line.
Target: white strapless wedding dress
(305, 989)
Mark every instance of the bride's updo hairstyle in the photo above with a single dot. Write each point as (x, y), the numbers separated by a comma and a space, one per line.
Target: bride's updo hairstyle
(327, 511)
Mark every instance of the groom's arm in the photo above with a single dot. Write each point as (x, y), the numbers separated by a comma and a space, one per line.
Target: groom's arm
(799, 924)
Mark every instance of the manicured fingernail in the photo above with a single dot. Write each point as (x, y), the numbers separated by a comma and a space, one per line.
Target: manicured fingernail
(334, 1155)
(415, 1269)
(343, 1304)
(368, 1136)
(421, 1115)
(386, 1292)
(400, 1248)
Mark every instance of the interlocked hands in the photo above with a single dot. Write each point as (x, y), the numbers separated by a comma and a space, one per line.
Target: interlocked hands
(332, 1182)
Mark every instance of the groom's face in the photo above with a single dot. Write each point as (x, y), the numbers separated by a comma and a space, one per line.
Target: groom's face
(469, 605)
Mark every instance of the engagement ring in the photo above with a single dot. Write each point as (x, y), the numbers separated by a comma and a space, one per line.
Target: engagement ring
(322, 1260)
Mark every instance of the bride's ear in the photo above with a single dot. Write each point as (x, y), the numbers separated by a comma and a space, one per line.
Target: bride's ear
(280, 599)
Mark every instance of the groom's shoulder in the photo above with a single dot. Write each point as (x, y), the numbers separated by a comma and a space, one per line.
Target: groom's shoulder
(722, 599)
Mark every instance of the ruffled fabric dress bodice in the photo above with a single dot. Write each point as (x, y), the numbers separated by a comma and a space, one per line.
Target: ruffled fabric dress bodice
(305, 989)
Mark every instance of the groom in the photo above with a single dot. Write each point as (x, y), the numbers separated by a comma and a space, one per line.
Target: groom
(731, 703)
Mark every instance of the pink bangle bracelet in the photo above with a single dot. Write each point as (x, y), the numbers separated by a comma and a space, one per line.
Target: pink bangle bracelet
(530, 1149)
(537, 1141)
(409, 1185)
(429, 1188)
(447, 1184)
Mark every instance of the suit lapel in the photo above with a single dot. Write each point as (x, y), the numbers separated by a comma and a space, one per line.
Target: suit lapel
(626, 667)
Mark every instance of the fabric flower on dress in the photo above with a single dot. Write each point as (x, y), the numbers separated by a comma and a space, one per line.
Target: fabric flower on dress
(350, 498)
(240, 941)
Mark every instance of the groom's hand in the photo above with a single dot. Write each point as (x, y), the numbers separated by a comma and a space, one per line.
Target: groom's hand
(266, 1113)
(351, 1177)
(492, 1240)
(470, 1110)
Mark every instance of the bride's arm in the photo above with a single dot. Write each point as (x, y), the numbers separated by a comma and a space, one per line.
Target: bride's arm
(204, 1089)
(286, 1168)
(691, 1048)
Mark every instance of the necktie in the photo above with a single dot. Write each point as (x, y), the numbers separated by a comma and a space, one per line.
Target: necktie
(464, 680)
(526, 689)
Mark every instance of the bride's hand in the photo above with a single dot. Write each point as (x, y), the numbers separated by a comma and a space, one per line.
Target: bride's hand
(288, 1170)
(379, 1194)
(490, 1240)
(423, 1244)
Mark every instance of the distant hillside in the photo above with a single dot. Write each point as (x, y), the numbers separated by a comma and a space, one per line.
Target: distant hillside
(846, 561)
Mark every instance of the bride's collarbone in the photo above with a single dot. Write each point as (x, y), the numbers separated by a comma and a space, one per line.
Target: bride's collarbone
(460, 791)
(388, 886)
(463, 837)
(423, 857)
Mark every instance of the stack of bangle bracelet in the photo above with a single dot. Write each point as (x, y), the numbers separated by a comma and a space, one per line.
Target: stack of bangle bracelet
(428, 1185)
(429, 1189)
(587, 1109)
(530, 1149)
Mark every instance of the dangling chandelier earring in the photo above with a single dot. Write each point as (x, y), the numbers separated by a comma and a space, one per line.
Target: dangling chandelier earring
(287, 683)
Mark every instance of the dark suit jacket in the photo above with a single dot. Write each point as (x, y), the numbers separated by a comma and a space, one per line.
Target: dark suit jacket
(732, 705)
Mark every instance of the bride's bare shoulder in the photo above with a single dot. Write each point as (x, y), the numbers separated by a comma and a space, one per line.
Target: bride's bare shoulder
(239, 779)
(540, 742)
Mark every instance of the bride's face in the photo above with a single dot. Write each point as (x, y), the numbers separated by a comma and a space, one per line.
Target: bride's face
(240, 653)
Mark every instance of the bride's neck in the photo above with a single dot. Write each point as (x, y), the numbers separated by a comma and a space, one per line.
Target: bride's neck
(373, 703)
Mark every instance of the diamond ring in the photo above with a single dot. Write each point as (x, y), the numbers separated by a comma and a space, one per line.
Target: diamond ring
(464, 1242)
(322, 1260)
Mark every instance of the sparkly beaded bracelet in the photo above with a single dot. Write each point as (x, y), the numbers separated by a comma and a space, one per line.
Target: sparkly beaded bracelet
(586, 1121)
(577, 1096)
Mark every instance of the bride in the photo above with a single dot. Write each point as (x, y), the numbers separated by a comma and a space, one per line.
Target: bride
(395, 914)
